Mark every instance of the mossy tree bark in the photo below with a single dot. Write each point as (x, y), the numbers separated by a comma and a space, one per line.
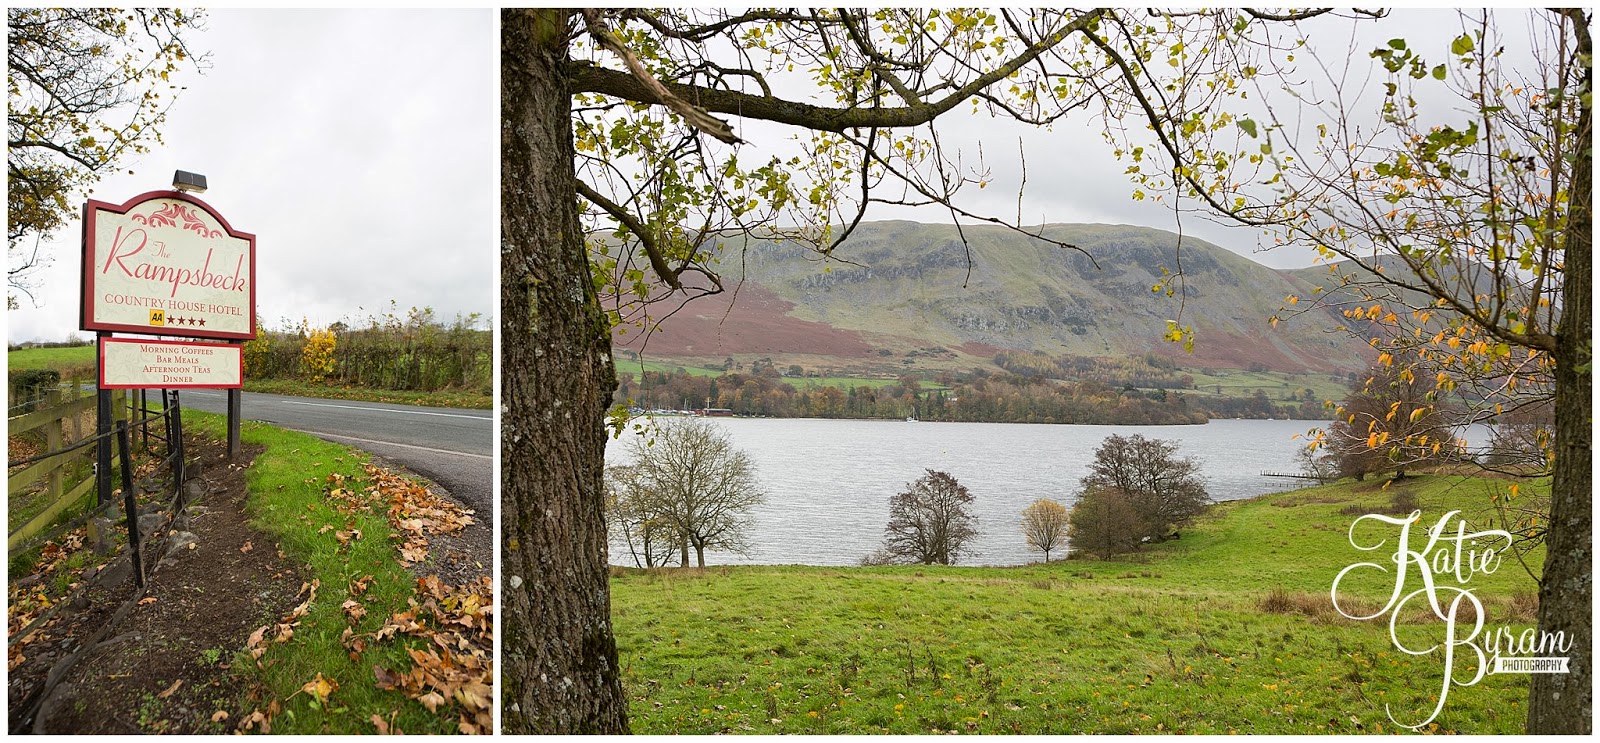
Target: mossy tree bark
(1563, 703)
(559, 661)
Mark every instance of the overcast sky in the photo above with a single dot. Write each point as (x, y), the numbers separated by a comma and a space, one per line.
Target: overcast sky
(1074, 177)
(360, 147)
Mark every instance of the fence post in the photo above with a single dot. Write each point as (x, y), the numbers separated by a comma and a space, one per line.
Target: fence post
(166, 420)
(102, 431)
(54, 438)
(130, 503)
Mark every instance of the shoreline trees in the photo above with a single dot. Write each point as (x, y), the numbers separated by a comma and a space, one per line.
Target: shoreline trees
(930, 522)
(687, 489)
(1044, 523)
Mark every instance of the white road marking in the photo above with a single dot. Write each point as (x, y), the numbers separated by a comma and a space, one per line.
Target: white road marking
(388, 410)
(393, 443)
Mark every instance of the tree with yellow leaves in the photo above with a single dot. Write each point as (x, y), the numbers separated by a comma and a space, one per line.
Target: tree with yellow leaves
(1391, 420)
(316, 357)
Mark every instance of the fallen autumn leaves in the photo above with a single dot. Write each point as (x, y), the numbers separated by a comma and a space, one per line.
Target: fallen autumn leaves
(452, 673)
(460, 622)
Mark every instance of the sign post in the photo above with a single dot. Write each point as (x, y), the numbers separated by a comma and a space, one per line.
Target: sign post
(165, 263)
(235, 414)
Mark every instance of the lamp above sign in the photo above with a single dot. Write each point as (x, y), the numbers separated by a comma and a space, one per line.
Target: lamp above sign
(165, 263)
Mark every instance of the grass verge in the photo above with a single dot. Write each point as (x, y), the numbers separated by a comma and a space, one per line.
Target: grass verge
(288, 484)
(1228, 629)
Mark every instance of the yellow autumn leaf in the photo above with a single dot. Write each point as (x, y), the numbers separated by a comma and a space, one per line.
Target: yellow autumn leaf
(320, 687)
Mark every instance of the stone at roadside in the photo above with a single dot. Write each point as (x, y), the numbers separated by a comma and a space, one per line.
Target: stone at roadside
(116, 573)
(151, 523)
(100, 535)
(180, 543)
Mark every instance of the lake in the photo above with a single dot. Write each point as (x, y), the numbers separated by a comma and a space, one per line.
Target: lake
(829, 481)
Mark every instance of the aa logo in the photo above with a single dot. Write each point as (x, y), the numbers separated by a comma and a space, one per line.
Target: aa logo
(158, 317)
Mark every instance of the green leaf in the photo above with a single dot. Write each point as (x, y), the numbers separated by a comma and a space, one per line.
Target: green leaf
(1461, 45)
(1398, 45)
(1439, 72)
(1249, 126)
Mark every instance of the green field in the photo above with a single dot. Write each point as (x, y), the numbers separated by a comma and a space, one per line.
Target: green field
(1241, 383)
(439, 399)
(1229, 629)
(60, 359)
(635, 367)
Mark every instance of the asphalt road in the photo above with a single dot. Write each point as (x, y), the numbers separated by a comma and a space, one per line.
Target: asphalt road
(449, 446)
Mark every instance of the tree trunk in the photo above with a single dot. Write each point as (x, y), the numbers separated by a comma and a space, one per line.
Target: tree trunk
(1563, 702)
(558, 660)
(683, 547)
(700, 554)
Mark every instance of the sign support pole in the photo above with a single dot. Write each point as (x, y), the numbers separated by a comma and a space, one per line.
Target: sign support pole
(235, 413)
(102, 429)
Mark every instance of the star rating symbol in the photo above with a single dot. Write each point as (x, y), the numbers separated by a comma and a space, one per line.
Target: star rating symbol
(190, 321)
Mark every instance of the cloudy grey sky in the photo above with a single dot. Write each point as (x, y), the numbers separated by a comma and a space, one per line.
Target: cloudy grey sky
(360, 147)
(1073, 175)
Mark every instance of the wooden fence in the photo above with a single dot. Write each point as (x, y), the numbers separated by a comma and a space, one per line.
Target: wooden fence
(59, 419)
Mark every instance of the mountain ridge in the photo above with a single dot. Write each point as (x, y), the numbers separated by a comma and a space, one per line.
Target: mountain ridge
(907, 290)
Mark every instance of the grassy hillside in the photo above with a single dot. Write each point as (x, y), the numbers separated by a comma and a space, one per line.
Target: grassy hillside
(910, 286)
(1229, 629)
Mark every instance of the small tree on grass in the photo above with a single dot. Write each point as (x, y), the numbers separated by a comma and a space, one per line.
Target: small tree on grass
(1166, 491)
(929, 522)
(1045, 525)
(638, 515)
(1320, 465)
(701, 487)
(1391, 419)
(1105, 522)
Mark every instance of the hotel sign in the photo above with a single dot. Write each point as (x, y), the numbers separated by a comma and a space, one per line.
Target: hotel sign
(165, 263)
(133, 363)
